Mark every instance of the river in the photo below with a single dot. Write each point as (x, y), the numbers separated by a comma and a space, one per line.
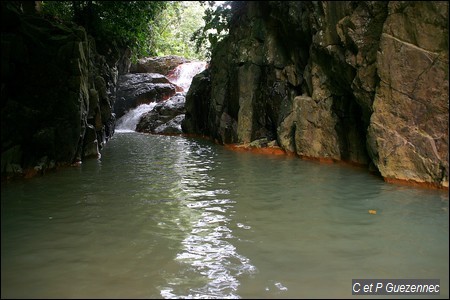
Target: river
(177, 217)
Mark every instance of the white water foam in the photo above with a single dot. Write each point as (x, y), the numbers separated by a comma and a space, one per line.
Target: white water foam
(128, 122)
(181, 76)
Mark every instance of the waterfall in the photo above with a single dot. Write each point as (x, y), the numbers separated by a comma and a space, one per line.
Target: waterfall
(181, 76)
(128, 121)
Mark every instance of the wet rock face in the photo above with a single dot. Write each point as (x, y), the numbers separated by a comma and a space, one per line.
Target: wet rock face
(365, 82)
(57, 94)
(162, 65)
(165, 118)
(408, 132)
(136, 89)
(198, 105)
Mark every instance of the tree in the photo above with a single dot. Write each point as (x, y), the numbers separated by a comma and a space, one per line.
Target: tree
(217, 18)
(173, 28)
(149, 28)
(125, 23)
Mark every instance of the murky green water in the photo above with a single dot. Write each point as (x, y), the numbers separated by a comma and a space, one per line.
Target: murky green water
(172, 217)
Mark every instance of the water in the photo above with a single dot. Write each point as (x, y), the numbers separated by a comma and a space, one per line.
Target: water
(182, 76)
(175, 217)
(129, 120)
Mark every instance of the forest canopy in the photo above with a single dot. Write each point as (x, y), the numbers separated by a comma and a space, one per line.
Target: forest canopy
(149, 28)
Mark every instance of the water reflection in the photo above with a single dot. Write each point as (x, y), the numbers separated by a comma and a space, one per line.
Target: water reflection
(172, 217)
(207, 254)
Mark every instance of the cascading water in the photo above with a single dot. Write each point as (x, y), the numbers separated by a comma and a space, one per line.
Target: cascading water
(181, 76)
(129, 121)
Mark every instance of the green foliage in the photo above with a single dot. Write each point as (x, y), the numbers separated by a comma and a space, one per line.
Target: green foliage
(217, 18)
(149, 28)
(173, 28)
(62, 10)
(125, 23)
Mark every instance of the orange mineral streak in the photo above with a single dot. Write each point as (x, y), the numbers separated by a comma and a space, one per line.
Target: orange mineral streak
(325, 160)
(199, 136)
(428, 185)
(321, 160)
(30, 173)
(262, 150)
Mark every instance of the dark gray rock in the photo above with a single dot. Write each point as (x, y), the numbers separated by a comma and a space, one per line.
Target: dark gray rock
(165, 118)
(137, 89)
(57, 94)
(161, 65)
(198, 104)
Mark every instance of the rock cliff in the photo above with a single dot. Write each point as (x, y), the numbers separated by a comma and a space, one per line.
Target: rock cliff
(57, 94)
(358, 81)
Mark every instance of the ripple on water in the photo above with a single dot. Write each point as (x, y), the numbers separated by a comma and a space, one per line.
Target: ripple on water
(208, 252)
(172, 217)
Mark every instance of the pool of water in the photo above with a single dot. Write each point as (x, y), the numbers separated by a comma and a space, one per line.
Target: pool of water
(177, 217)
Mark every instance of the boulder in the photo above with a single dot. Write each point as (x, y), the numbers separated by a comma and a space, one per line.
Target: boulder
(136, 89)
(162, 65)
(165, 118)
(198, 105)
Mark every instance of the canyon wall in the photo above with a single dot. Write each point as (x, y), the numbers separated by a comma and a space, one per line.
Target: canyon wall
(358, 81)
(57, 94)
